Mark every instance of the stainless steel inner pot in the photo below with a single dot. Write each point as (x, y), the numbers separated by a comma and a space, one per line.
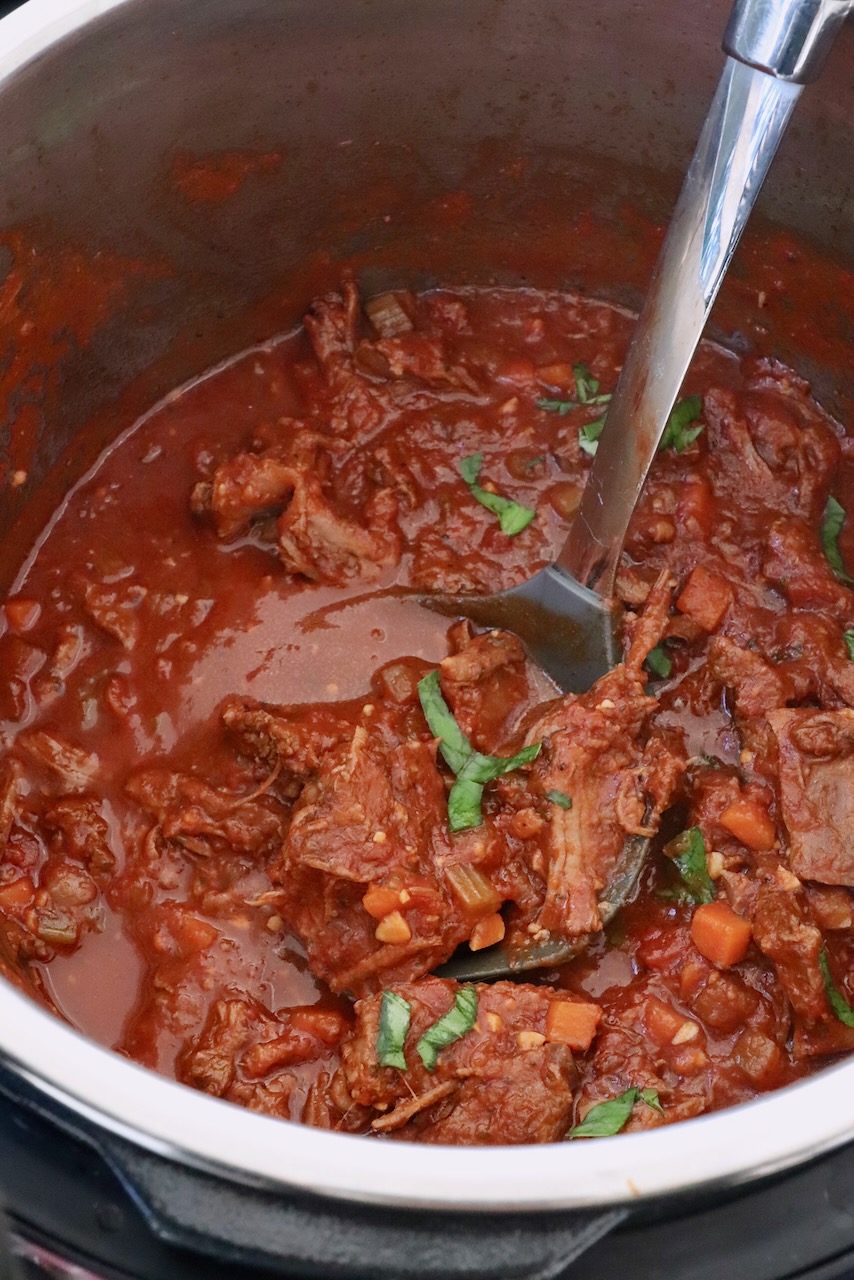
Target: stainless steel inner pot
(599, 105)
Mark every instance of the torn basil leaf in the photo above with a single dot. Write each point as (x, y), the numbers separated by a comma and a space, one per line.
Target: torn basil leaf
(835, 998)
(561, 407)
(831, 527)
(395, 1013)
(452, 1026)
(848, 637)
(473, 769)
(588, 436)
(679, 432)
(586, 385)
(658, 662)
(560, 798)
(608, 1118)
(688, 851)
(512, 516)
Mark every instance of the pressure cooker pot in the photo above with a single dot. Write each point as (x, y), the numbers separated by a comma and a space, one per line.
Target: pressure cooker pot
(178, 183)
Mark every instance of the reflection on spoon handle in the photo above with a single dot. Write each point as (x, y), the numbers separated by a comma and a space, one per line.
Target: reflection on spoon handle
(743, 128)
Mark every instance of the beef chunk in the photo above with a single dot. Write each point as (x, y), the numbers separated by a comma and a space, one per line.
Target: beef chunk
(77, 830)
(375, 817)
(785, 931)
(247, 1054)
(286, 736)
(292, 481)
(816, 752)
(71, 767)
(487, 684)
(201, 818)
(595, 755)
(502, 1083)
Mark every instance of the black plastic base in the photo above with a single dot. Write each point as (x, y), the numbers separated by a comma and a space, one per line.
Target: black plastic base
(63, 1195)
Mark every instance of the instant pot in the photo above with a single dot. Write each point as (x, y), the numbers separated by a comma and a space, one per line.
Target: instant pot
(378, 122)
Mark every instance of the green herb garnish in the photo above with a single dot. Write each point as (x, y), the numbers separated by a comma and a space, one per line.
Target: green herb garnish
(679, 433)
(556, 406)
(608, 1118)
(395, 1013)
(835, 998)
(848, 637)
(452, 1026)
(512, 516)
(586, 389)
(473, 770)
(688, 851)
(588, 436)
(560, 798)
(658, 662)
(586, 386)
(831, 527)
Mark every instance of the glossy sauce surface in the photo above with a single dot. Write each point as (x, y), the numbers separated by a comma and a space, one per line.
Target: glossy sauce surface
(133, 623)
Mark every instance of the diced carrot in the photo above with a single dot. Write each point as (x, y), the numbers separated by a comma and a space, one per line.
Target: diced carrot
(719, 934)
(661, 1021)
(487, 932)
(556, 375)
(22, 614)
(572, 1022)
(750, 822)
(705, 597)
(17, 893)
(380, 900)
(393, 929)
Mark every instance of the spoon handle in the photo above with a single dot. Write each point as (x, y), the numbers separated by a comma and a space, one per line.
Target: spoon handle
(774, 48)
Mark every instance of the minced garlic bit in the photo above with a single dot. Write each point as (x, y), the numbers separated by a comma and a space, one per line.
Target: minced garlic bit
(274, 923)
(393, 929)
(688, 1031)
(494, 1021)
(380, 837)
(715, 864)
(529, 1039)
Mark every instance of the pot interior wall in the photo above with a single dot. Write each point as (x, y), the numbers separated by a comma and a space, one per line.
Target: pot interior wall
(464, 142)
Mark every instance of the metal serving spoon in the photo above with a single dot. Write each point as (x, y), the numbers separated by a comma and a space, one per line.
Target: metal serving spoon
(565, 614)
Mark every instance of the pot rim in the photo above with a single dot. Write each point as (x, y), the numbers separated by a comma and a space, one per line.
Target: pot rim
(729, 1147)
(750, 1141)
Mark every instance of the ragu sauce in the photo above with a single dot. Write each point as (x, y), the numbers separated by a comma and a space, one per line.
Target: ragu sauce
(226, 844)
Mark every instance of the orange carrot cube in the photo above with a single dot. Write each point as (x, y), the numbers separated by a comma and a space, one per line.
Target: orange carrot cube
(380, 900)
(751, 823)
(487, 932)
(572, 1022)
(719, 934)
(705, 598)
